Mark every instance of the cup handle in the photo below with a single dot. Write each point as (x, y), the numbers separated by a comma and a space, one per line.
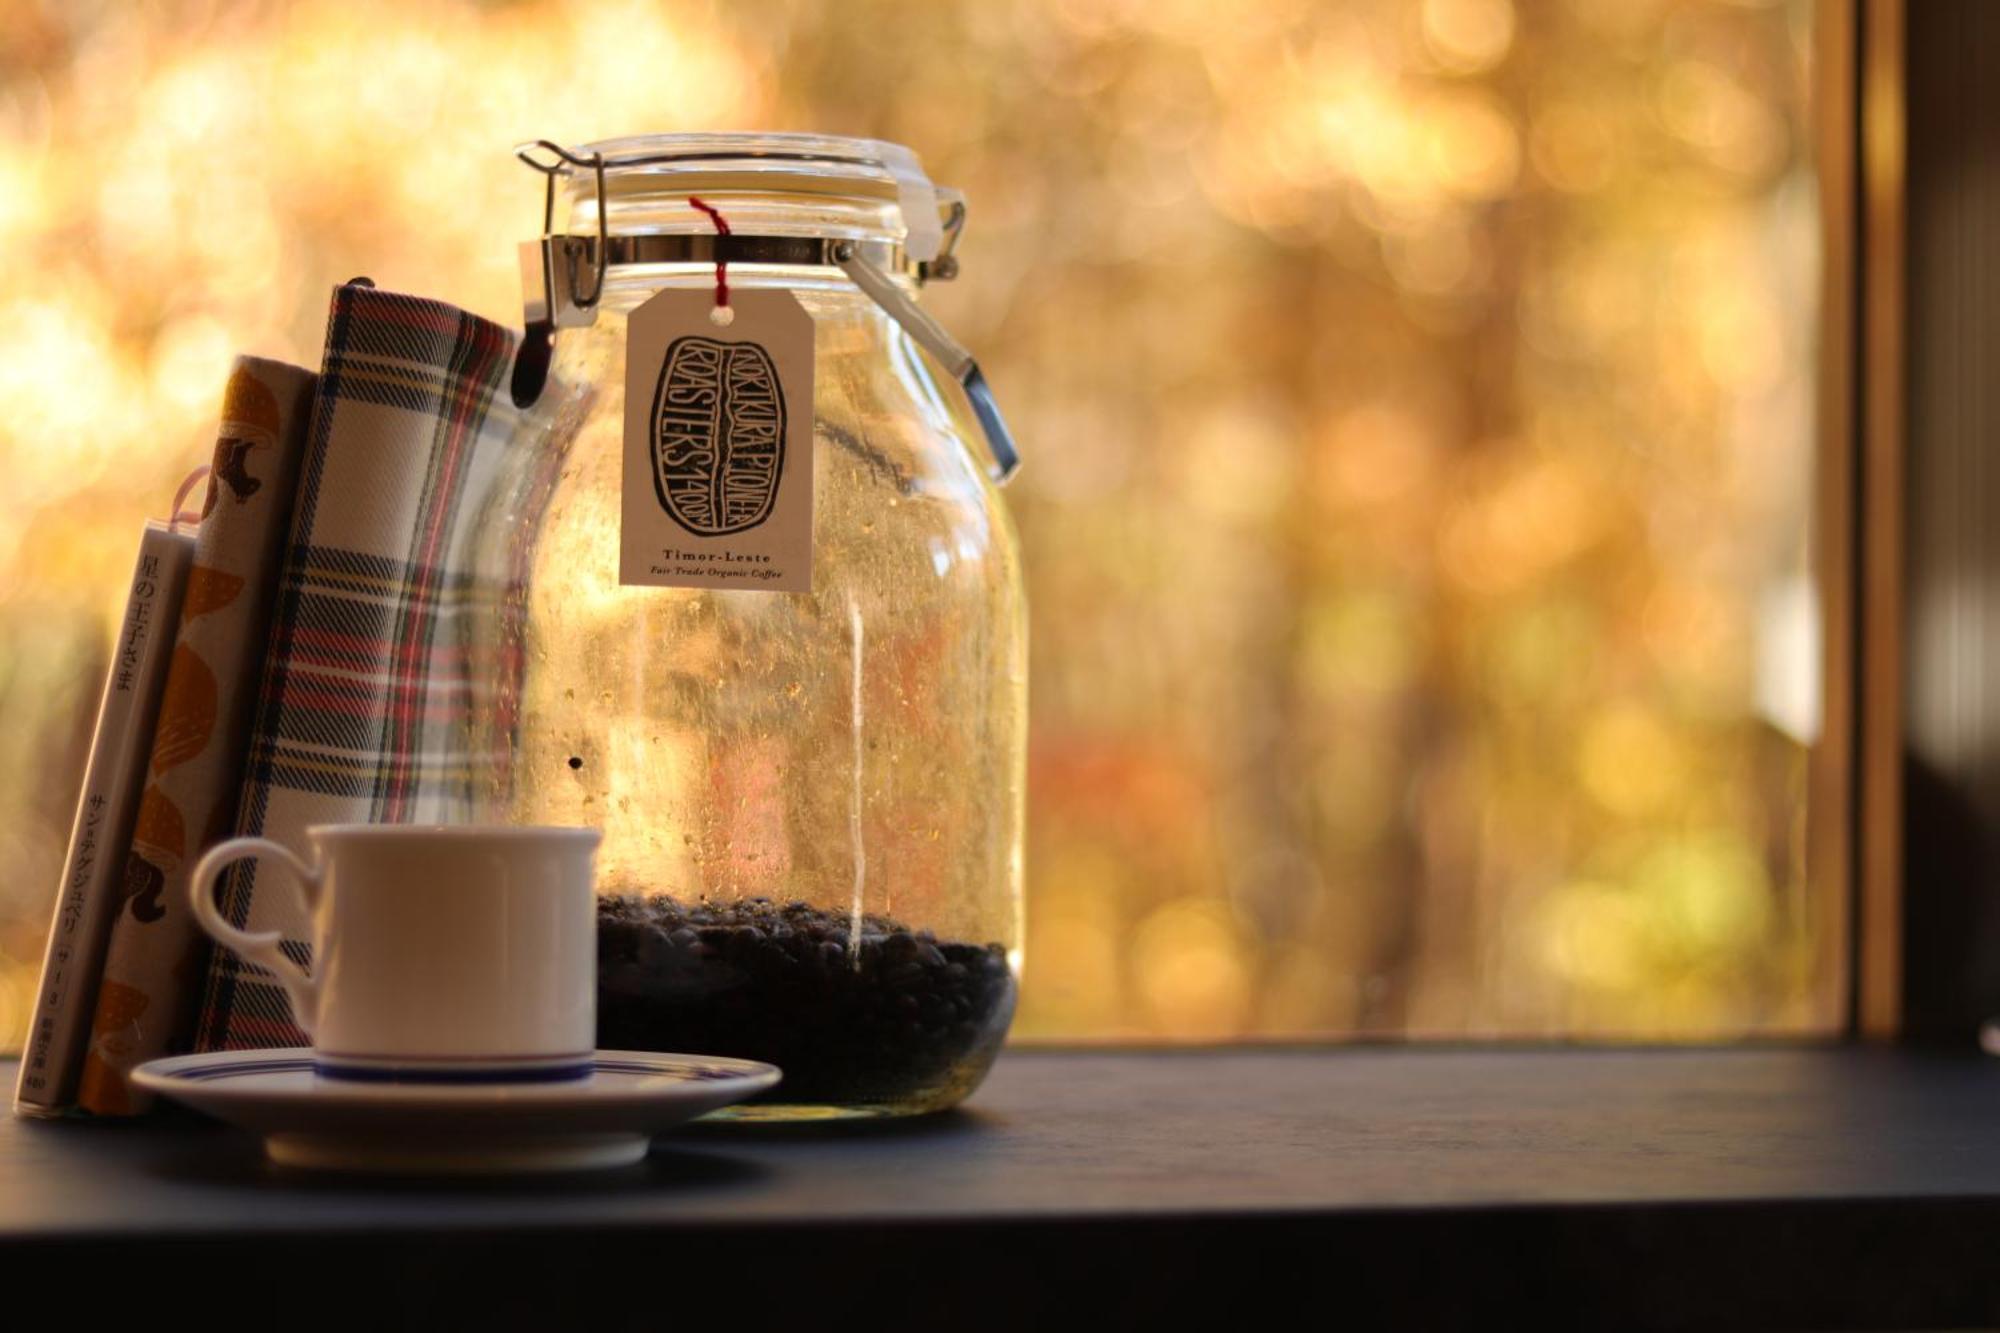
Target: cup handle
(260, 947)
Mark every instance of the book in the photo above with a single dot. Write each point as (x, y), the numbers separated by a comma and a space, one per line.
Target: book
(155, 956)
(66, 997)
(364, 709)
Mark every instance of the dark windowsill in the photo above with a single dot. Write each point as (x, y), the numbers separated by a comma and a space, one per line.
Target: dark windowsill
(1829, 1187)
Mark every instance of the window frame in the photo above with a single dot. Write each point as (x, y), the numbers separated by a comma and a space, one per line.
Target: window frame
(1920, 307)
(1867, 378)
(1835, 851)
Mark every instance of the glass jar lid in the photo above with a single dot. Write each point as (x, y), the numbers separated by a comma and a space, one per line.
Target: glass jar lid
(799, 164)
(775, 188)
(863, 206)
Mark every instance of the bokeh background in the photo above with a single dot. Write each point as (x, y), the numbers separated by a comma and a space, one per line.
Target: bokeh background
(1417, 400)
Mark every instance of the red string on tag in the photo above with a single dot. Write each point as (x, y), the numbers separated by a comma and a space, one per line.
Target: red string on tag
(721, 265)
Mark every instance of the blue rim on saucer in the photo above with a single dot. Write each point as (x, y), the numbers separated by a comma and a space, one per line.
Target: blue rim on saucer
(428, 1128)
(220, 1066)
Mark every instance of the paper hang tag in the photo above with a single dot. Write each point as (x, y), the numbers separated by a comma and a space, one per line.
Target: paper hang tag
(718, 483)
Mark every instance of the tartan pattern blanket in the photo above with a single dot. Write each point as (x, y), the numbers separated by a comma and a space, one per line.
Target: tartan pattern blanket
(363, 706)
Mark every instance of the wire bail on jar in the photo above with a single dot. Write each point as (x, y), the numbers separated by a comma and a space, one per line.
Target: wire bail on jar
(549, 268)
(554, 268)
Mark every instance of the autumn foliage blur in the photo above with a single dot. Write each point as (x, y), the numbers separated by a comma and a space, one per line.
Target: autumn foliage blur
(1417, 400)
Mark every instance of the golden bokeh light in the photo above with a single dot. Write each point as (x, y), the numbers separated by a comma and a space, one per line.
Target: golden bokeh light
(1416, 397)
(1467, 36)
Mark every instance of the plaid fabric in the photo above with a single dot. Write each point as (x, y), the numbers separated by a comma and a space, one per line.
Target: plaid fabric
(362, 710)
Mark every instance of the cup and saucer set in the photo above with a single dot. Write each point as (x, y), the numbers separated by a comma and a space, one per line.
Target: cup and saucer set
(451, 1004)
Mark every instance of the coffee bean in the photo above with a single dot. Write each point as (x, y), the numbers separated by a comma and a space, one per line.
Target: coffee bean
(773, 982)
(617, 938)
(655, 946)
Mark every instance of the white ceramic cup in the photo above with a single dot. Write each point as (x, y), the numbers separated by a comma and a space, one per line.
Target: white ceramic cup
(439, 954)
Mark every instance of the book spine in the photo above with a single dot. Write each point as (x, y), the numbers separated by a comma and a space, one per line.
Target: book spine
(154, 955)
(92, 871)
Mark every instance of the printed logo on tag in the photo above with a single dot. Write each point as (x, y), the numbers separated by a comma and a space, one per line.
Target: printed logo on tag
(718, 444)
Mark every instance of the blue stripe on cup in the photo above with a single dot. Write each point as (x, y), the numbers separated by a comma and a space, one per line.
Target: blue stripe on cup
(566, 1072)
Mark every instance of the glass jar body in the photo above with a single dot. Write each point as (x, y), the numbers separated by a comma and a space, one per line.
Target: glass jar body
(811, 802)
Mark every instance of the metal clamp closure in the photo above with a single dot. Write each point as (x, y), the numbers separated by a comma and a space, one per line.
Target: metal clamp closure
(1005, 459)
(736, 248)
(550, 296)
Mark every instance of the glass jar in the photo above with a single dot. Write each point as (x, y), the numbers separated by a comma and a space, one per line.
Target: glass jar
(811, 802)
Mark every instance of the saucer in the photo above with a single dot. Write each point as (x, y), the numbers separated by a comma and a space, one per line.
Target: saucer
(605, 1119)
